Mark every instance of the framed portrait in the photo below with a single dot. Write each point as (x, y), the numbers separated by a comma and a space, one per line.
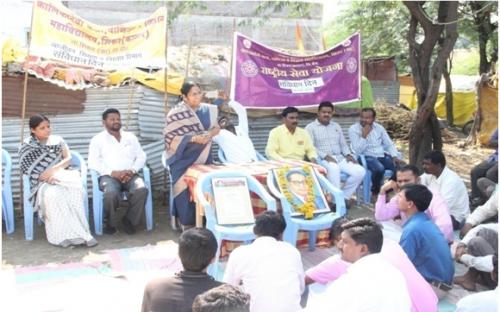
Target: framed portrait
(301, 188)
(232, 201)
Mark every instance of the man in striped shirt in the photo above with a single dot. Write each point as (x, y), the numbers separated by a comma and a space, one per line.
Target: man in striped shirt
(371, 139)
(333, 152)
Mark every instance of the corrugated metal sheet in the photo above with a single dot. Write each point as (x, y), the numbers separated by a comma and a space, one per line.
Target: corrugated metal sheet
(385, 91)
(76, 129)
(42, 97)
(146, 121)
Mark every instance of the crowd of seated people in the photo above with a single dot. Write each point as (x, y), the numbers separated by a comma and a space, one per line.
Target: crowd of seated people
(410, 273)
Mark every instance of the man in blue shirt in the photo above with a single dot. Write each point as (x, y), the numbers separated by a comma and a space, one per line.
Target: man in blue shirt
(422, 240)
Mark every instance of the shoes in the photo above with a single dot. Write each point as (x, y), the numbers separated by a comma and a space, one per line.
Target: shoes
(110, 230)
(127, 226)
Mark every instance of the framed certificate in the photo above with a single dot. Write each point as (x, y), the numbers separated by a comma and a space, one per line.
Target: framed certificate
(232, 201)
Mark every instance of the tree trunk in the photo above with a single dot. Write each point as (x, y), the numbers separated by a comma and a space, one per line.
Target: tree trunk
(425, 133)
(484, 29)
(449, 92)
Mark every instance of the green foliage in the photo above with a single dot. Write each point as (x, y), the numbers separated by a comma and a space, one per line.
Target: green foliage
(383, 26)
(465, 62)
(265, 9)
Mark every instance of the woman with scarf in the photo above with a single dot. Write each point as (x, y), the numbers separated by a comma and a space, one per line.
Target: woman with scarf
(190, 127)
(56, 191)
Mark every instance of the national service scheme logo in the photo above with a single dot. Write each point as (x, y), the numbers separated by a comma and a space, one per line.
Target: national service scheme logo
(351, 65)
(249, 68)
(247, 43)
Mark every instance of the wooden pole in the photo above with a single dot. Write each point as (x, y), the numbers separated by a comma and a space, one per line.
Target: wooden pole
(228, 88)
(131, 85)
(186, 72)
(25, 86)
(165, 76)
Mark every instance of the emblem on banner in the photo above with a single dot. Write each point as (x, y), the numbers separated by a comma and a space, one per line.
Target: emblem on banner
(247, 43)
(351, 65)
(249, 68)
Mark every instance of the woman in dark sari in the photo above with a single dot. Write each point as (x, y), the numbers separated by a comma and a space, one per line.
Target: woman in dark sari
(190, 127)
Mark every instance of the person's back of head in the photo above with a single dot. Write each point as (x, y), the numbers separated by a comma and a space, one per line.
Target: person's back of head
(436, 157)
(419, 194)
(365, 231)
(269, 223)
(336, 228)
(225, 298)
(197, 248)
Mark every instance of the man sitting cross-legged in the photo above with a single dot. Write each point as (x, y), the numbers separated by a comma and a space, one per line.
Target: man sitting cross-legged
(422, 296)
(437, 211)
(333, 151)
(197, 248)
(422, 240)
(269, 270)
(382, 285)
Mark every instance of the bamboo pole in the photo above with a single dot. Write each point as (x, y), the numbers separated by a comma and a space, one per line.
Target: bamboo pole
(188, 58)
(165, 76)
(25, 86)
(131, 85)
(228, 87)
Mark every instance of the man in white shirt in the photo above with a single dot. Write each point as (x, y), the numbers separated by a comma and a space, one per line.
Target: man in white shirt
(333, 151)
(234, 141)
(117, 156)
(449, 184)
(269, 270)
(382, 285)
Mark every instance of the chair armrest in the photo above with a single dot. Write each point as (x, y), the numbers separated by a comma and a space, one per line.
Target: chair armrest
(203, 202)
(335, 192)
(257, 188)
(272, 186)
(260, 157)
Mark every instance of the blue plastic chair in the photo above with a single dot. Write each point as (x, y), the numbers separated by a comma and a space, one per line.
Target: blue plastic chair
(173, 222)
(319, 222)
(243, 233)
(76, 162)
(97, 201)
(223, 159)
(367, 181)
(7, 202)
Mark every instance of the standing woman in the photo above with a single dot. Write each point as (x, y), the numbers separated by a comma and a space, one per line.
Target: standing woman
(56, 191)
(189, 129)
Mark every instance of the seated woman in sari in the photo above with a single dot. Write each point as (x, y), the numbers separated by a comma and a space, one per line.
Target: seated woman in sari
(190, 127)
(56, 192)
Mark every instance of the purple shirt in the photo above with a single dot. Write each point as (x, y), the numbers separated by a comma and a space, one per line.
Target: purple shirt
(422, 296)
(437, 212)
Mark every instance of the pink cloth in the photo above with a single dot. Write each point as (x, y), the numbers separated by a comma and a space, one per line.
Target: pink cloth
(422, 296)
(437, 211)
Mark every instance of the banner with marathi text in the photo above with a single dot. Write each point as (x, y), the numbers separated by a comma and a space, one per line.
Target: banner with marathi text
(59, 34)
(265, 78)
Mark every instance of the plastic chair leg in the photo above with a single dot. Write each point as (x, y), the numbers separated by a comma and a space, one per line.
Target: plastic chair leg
(98, 213)
(149, 211)
(312, 240)
(290, 235)
(28, 224)
(367, 184)
(213, 268)
(8, 214)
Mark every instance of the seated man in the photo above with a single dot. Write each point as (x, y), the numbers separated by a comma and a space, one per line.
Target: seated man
(197, 248)
(485, 301)
(334, 154)
(450, 185)
(371, 139)
(382, 285)
(422, 296)
(234, 141)
(488, 169)
(117, 156)
(476, 250)
(422, 240)
(225, 298)
(437, 211)
(289, 141)
(481, 214)
(269, 270)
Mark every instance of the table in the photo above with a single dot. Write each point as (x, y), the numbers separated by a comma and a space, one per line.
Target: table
(258, 170)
